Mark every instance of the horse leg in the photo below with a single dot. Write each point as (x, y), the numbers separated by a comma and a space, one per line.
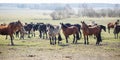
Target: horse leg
(55, 39)
(46, 35)
(34, 33)
(73, 39)
(6, 37)
(87, 40)
(80, 34)
(11, 37)
(84, 39)
(22, 36)
(76, 41)
(108, 29)
(66, 39)
(98, 38)
(50, 40)
(39, 33)
(28, 34)
(117, 35)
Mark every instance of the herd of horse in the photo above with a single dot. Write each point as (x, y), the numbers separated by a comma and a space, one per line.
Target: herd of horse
(53, 32)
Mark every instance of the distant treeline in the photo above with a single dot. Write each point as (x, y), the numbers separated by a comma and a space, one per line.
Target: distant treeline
(53, 6)
(61, 10)
(86, 11)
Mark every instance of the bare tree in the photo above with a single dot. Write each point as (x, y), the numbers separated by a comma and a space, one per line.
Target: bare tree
(66, 12)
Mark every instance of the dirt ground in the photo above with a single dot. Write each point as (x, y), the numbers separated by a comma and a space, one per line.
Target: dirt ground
(37, 49)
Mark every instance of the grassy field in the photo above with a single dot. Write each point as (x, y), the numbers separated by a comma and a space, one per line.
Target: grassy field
(39, 49)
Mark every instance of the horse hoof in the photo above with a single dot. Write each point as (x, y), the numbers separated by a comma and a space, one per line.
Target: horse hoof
(12, 44)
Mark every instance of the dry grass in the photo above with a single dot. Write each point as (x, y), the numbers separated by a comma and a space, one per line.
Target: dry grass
(39, 49)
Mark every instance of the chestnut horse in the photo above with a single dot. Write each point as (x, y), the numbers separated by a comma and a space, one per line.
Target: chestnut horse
(91, 31)
(11, 29)
(72, 30)
(112, 25)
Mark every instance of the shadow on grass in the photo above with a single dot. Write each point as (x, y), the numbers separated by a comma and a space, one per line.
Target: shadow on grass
(16, 45)
(77, 43)
(63, 45)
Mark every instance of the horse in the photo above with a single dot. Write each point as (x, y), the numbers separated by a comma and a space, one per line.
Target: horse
(102, 27)
(112, 25)
(53, 31)
(29, 29)
(21, 32)
(77, 25)
(11, 29)
(116, 31)
(72, 30)
(96, 31)
(42, 30)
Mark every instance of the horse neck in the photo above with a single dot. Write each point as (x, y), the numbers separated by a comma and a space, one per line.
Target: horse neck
(85, 28)
(64, 28)
(102, 27)
(14, 28)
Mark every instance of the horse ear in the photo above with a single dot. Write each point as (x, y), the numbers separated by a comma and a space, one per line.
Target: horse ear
(18, 20)
(61, 23)
(81, 21)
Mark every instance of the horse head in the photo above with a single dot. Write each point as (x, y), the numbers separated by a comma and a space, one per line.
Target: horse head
(63, 25)
(19, 24)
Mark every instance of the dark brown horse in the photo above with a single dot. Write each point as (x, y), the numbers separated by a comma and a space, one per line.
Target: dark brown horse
(91, 31)
(72, 30)
(11, 29)
(116, 31)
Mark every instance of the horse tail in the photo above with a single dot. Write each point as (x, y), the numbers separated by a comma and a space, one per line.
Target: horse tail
(77, 36)
(98, 39)
(59, 37)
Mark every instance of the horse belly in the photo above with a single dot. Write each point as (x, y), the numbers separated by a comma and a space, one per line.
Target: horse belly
(4, 32)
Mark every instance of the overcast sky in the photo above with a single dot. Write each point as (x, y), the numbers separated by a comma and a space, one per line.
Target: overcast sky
(60, 1)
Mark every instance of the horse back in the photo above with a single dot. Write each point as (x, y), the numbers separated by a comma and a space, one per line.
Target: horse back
(71, 30)
(4, 31)
(94, 30)
(110, 25)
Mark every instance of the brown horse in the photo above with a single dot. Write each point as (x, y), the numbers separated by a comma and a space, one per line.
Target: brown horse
(112, 25)
(11, 29)
(73, 30)
(91, 31)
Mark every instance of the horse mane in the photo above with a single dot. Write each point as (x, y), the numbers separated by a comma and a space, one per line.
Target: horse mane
(63, 25)
(51, 26)
(85, 24)
(12, 23)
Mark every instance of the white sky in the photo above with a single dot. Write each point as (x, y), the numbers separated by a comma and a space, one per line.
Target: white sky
(60, 1)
